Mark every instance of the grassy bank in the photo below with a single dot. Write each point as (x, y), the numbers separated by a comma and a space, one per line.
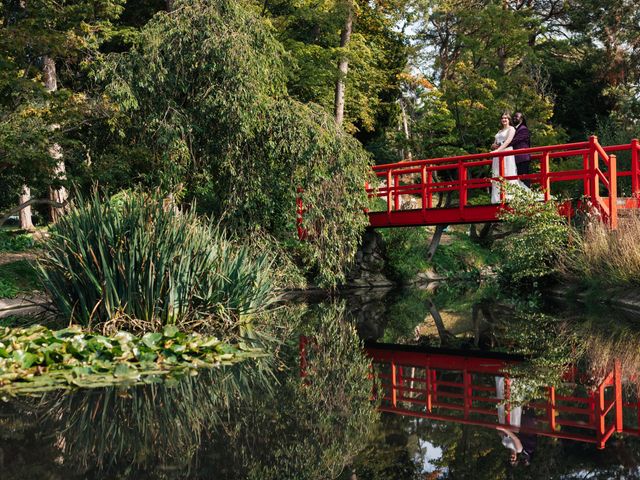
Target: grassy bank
(18, 278)
(457, 255)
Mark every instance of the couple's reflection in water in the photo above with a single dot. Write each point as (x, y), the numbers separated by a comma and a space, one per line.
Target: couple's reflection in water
(260, 420)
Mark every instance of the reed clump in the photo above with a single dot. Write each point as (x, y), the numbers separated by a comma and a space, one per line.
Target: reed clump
(606, 257)
(139, 265)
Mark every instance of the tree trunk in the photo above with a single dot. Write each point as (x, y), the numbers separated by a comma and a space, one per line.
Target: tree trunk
(343, 65)
(406, 154)
(58, 195)
(437, 235)
(26, 222)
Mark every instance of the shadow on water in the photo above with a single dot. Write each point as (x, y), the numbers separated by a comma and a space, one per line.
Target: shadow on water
(262, 420)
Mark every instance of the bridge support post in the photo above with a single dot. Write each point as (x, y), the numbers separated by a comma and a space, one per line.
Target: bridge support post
(617, 386)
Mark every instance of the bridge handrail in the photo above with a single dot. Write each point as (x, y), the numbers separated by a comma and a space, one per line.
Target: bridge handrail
(484, 155)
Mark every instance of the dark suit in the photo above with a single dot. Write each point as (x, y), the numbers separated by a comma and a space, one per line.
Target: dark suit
(522, 139)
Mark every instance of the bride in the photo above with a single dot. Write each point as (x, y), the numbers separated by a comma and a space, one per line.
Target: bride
(503, 143)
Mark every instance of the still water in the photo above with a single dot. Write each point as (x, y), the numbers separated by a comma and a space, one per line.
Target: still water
(450, 365)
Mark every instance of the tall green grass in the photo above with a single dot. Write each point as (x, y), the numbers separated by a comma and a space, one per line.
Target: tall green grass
(139, 265)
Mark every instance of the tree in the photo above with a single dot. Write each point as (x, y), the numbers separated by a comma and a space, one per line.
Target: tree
(36, 117)
(202, 94)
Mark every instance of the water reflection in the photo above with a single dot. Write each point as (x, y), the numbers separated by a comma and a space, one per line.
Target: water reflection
(244, 421)
(439, 388)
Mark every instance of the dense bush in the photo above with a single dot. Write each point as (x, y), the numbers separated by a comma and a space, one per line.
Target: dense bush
(541, 236)
(15, 243)
(140, 265)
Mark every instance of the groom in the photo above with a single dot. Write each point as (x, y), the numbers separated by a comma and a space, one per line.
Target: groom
(522, 139)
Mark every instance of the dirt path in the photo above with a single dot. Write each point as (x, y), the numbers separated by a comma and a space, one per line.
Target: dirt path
(9, 257)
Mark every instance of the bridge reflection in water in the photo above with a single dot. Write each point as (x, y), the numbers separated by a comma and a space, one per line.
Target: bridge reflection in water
(460, 386)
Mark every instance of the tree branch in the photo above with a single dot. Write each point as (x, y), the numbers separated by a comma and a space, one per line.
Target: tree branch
(33, 201)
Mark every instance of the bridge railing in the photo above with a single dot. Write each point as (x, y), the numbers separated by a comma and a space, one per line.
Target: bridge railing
(432, 180)
(462, 389)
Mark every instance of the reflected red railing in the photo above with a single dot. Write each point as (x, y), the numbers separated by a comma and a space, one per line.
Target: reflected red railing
(458, 386)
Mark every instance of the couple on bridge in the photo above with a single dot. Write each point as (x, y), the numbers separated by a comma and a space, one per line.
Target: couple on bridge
(513, 135)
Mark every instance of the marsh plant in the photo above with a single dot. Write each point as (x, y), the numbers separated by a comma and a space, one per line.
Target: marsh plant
(139, 265)
(606, 257)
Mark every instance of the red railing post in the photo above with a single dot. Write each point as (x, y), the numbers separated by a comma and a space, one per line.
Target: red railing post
(423, 190)
(594, 184)
(396, 198)
(613, 192)
(427, 374)
(389, 189)
(600, 416)
(586, 168)
(507, 404)
(545, 182)
(462, 179)
(617, 386)
(501, 175)
(394, 385)
(635, 169)
(467, 397)
(551, 409)
(430, 189)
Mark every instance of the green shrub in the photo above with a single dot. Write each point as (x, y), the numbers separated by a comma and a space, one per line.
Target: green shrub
(15, 243)
(406, 252)
(140, 265)
(541, 236)
(17, 278)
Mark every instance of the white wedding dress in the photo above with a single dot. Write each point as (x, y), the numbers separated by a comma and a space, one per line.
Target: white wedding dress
(509, 165)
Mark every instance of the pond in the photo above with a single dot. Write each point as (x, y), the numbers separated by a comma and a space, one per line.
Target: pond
(442, 359)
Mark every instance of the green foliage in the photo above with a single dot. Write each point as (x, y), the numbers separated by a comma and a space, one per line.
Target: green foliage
(406, 252)
(551, 347)
(460, 256)
(37, 359)
(314, 426)
(15, 243)
(203, 91)
(541, 236)
(405, 313)
(144, 265)
(310, 32)
(18, 277)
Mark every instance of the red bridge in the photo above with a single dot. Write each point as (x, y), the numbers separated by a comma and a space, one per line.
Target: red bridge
(413, 191)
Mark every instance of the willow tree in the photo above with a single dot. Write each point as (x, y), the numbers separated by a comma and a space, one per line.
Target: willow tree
(203, 92)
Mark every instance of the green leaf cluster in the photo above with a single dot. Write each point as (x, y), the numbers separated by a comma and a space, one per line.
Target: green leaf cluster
(203, 92)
